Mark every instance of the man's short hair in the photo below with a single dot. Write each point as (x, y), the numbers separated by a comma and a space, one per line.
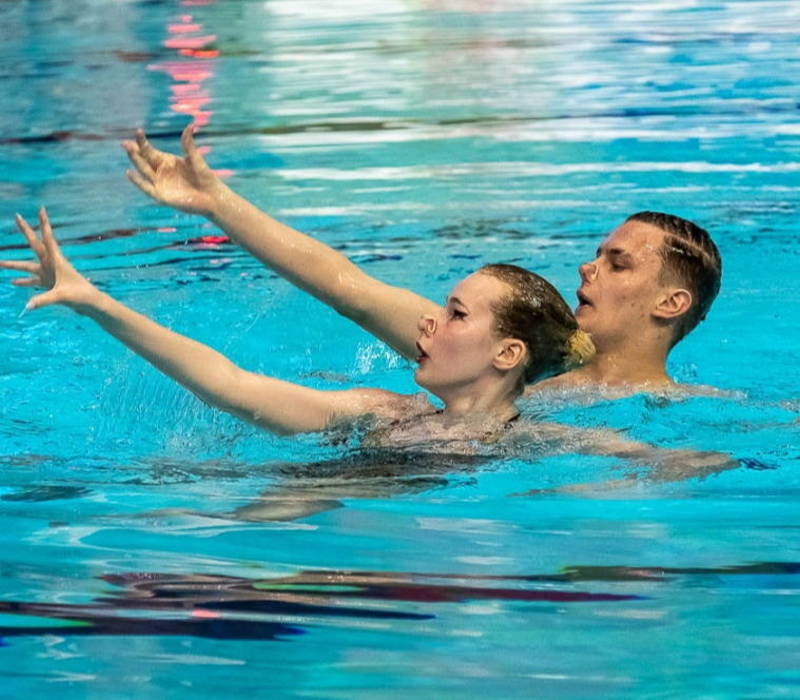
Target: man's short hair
(689, 255)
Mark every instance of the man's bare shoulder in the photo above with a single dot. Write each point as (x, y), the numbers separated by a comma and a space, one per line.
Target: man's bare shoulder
(572, 388)
(580, 389)
(570, 382)
(690, 390)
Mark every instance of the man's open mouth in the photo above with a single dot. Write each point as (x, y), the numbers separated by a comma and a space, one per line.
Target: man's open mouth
(421, 354)
(583, 300)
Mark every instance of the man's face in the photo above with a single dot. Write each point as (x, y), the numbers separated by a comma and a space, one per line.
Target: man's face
(621, 286)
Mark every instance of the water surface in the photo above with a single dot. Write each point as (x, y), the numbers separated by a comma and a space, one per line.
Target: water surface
(423, 139)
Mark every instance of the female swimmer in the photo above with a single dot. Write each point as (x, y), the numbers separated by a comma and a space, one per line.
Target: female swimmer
(503, 327)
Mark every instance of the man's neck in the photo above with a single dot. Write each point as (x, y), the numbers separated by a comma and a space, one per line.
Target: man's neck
(633, 368)
(617, 368)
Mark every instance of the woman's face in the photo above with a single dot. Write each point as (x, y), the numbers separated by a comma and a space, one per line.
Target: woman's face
(458, 347)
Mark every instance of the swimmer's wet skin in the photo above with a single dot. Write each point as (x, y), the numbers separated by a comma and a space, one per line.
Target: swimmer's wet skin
(477, 357)
(653, 280)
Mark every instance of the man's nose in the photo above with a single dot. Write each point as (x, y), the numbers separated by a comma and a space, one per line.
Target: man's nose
(588, 271)
(427, 325)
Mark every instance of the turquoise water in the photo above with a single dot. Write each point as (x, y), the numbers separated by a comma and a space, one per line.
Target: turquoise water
(423, 139)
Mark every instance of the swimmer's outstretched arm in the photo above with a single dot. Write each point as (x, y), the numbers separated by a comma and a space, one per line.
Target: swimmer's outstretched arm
(272, 404)
(662, 464)
(188, 184)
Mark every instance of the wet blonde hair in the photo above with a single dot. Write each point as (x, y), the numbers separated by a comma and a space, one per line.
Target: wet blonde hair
(535, 313)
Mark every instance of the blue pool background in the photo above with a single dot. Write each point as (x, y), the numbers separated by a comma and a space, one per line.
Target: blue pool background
(423, 139)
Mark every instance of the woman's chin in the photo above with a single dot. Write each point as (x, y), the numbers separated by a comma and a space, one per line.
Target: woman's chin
(438, 391)
(423, 380)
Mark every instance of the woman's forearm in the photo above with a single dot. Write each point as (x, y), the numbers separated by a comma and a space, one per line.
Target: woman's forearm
(199, 368)
(391, 313)
(306, 262)
(188, 184)
(273, 404)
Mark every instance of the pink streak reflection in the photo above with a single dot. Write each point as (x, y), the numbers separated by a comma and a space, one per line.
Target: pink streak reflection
(194, 64)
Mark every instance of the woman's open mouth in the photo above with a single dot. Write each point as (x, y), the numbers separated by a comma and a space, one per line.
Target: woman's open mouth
(583, 300)
(421, 354)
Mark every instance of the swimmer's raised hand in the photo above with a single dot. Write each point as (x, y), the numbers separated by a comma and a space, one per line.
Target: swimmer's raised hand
(52, 271)
(184, 183)
(273, 404)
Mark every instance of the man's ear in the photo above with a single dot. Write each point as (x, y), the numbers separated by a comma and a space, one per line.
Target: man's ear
(511, 353)
(673, 303)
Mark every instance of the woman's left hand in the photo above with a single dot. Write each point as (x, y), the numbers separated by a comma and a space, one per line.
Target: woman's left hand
(51, 271)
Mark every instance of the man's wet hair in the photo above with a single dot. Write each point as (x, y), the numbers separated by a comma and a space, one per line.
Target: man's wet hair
(689, 256)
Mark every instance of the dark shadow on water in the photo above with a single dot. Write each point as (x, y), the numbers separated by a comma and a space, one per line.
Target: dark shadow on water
(217, 607)
(46, 492)
(305, 489)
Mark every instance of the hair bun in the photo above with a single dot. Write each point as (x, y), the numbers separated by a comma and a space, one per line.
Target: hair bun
(580, 349)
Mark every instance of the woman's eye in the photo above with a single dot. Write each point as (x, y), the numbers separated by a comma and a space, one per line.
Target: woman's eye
(455, 313)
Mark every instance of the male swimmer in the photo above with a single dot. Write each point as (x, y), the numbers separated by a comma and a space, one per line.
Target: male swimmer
(653, 280)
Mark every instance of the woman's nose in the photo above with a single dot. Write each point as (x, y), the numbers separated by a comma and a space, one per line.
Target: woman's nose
(427, 325)
(588, 271)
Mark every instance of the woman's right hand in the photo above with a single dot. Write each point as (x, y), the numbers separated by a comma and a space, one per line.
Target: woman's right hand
(184, 183)
(52, 271)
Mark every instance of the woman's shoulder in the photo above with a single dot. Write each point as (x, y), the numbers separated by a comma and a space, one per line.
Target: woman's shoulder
(388, 404)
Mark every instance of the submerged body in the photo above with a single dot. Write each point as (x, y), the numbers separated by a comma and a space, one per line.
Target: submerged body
(425, 427)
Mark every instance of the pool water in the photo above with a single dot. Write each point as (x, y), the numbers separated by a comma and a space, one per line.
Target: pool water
(423, 139)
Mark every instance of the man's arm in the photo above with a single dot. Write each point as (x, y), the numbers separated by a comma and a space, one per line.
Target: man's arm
(662, 464)
(188, 184)
(272, 404)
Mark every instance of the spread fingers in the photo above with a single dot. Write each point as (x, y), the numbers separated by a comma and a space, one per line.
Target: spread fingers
(30, 236)
(48, 239)
(138, 161)
(20, 265)
(150, 154)
(142, 183)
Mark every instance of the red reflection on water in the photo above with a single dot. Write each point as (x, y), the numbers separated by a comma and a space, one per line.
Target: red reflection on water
(189, 42)
(211, 240)
(193, 66)
(199, 53)
(192, 73)
(184, 27)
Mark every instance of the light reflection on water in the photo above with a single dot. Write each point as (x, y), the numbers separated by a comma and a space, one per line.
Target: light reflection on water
(422, 139)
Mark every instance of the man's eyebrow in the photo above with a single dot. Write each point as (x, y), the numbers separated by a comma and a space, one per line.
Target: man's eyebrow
(456, 300)
(618, 253)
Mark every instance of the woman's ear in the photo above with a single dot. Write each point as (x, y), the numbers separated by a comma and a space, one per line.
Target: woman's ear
(674, 303)
(511, 353)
